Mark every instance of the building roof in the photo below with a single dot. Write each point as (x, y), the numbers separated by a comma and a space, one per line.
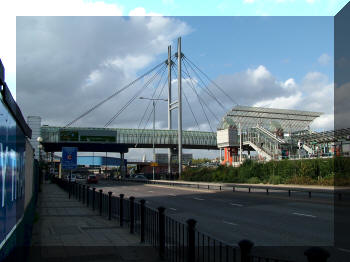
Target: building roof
(247, 116)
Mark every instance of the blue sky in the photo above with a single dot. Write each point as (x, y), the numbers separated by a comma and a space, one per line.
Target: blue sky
(287, 46)
(236, 7)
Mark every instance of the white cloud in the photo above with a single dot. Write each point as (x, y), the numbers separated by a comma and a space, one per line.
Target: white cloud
(12, 8)
(324, 59)
(140, 11)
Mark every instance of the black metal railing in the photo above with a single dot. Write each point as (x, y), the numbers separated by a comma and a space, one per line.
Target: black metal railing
(175, 241)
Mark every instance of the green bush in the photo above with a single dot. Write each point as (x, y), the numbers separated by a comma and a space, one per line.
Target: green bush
(275, 180)
(253, 180)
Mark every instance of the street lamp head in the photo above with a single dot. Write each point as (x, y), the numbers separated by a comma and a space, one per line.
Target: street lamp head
(39, 139)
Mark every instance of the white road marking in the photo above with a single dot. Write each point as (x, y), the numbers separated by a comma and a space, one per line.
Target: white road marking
(171, 208)
(305, 215)
(198, 198)
(344, 250)
(229, 223)
(238, 205)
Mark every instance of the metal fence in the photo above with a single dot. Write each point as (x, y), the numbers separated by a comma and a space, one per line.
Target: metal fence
(175, 241)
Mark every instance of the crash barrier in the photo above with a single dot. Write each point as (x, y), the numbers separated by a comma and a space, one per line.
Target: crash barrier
(175, 241)
(232, 187)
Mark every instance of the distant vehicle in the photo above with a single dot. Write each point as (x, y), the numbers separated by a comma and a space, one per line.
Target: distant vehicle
(92, 179)
(140, 177)
(72, 178)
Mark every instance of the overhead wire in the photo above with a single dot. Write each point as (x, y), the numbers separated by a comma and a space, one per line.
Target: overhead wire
(113, 95)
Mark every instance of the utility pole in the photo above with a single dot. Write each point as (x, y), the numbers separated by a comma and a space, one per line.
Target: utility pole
(169, 104)
(179, 105)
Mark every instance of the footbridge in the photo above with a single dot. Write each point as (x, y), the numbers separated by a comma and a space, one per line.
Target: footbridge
(121, 139)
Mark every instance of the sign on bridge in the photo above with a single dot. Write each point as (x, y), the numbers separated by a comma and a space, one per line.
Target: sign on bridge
(69, 157)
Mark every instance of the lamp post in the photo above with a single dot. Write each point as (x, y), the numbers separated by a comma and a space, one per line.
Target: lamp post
(154, 124)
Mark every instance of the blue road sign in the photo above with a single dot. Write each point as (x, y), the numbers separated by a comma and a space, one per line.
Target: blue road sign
(69, 158)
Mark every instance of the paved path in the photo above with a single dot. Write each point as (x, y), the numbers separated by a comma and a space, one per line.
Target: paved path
(69, 231)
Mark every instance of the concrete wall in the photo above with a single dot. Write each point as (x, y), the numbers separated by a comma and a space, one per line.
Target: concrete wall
(28, 173)
(34, 123)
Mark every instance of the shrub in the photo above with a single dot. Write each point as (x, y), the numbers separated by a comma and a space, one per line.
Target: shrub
(253, 180)
(275, 180)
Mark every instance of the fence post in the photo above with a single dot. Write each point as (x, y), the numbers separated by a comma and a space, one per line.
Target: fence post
(110, 205)
(142, 214)
(87, 195)
(267, 191)
(316, 254)
(245, 246)
(191, 251)
(289, 192)
(100, 200)
(83, 194)
(132, 216)
(121, 209)
(161, 231)
(93, 198)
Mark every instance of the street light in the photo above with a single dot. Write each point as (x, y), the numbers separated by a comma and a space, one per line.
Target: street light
(154, 123)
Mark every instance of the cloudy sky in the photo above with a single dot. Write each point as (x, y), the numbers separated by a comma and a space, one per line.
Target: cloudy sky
(66, 64)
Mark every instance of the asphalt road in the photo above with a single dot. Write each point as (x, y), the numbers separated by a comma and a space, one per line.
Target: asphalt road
(267, 220)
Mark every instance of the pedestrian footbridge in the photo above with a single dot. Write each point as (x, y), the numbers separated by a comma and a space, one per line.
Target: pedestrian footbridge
(120, 139)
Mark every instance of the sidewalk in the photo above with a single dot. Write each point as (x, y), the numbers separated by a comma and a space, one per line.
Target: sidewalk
(66, 230)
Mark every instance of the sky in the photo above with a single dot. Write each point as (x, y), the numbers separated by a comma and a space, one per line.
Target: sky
(272, 61)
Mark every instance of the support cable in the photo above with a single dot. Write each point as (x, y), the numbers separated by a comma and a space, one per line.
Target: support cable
(200, 102)
(149, 116)
(205, 87)
(150, 101)
(113, 95)
(233, 101)
(208, 108)
(134, 97)
(189, 105)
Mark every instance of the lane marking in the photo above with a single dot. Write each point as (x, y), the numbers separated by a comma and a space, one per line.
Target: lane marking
(238, 205)
(171, 208)
(198, 198)
(305, 215)
(344, 250)
(229, 223)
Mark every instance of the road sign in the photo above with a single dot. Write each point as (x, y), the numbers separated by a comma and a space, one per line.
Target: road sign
(154, 164)
(69, 157)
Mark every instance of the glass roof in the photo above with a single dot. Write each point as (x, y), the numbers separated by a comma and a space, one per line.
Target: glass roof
(269, 118)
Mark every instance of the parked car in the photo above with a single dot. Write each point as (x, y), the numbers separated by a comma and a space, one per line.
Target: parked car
(92, 179)
(140, 177)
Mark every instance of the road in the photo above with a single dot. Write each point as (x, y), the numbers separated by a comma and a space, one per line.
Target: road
(267, 220)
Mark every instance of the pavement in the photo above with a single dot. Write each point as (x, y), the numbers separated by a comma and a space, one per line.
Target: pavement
(274, 221)
(66, 230)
